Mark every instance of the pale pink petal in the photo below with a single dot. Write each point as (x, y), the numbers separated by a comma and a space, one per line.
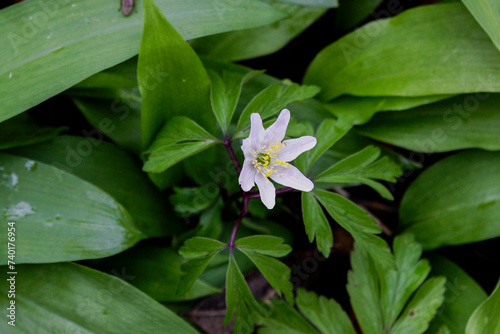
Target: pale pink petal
(291, 177)
(247, 176)
(295, 147)
(277, 131)
(266, 190)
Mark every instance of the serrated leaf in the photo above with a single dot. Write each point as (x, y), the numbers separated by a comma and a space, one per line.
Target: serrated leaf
(357, 222)
(284, 319)
(239, 300)
(485, 319)
(225, 92)
(264, 244)
(362, 167)
(326, 314)
(273, 99)
(198, 247)
(316, 225)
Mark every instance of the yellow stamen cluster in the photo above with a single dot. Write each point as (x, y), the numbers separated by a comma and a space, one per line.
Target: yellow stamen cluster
(265, 160)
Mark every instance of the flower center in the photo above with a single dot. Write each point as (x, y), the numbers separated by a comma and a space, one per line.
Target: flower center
(265, 160)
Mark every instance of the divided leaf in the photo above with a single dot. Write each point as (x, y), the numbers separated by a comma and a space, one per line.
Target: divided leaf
(363, 166)
(316, 225)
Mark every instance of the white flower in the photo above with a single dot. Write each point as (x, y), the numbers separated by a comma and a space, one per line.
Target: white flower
(266, 156)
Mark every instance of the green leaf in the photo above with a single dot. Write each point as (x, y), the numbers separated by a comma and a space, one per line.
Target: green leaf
(487, 13)
(201, 251)
(273, 99)
(329, 132)
(284, 319)
(326, 314)
(316, 224)
(190, 201)
(362, 167)
(485, 319)
(69, 298)
(60, 217)
(276, 273)
(264, 244)
(352, 12)
(394, 300)
(91, 36)
(461, 204)
(157, 272)
(167, 156)
(172, 79)
(112, 170)
(463, 295)
(313, 3)
(359, 110)
(358, 223)
(179, 129)
(240, 302)
(255, 42)
(422, 307)
(466, 121)
(225, 93)
(22, 130)
(433, 50)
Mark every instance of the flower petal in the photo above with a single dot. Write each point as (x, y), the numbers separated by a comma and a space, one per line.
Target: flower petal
(295, 147)
(291, 177)
(277, 130)
(266, 190)
(247, 176)
(256, 131)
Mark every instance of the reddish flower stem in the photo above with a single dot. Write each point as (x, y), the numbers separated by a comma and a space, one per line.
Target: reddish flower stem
(229, 148)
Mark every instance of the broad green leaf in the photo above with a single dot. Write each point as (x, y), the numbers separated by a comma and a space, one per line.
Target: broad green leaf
(422, 307)
(316, 225)
(362, 167)
(352, 12)
(461, 204)
(255, 42)
(273, 99)
(433, 50)
(360, 109)
(240, 302)
(172, 79)
(466, 121)
(463, 295)
(179, 129)
(487, 14)
(22, 131)
(313, 3)
(485, 319)
(58, 216)
(157, 272)
(167, 156)
(264, 244)
(69, 298)
(276, 273)
(225, 93)
(358, 223)
(112, 170)
(85, 37)
(326, 314)
(284, 319)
